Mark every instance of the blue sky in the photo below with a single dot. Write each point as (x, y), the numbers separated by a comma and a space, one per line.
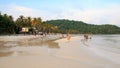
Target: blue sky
(89, 11)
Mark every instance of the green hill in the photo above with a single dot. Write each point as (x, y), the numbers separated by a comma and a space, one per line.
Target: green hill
(9, 26)
(72, 26)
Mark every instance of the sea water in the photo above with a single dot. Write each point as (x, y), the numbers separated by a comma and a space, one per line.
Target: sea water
(106, 46)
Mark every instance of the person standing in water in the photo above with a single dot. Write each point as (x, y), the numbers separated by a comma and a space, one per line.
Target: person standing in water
(85, 37)
(68, 37)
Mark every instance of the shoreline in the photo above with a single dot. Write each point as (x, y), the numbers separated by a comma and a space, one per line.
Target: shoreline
(68, 54)
(10, 42)
(28, 37)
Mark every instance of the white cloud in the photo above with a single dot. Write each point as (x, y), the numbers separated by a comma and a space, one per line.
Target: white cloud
(16, 11)
(94, 16)
(103, 16)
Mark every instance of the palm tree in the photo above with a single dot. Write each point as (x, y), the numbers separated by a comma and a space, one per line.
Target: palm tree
(29, 21)
(34, 22)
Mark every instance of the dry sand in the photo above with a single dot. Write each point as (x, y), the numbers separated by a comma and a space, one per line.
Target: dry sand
(71, 54)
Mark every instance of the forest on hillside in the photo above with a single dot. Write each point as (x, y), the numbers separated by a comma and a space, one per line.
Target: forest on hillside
(72, 26)
(35, 25)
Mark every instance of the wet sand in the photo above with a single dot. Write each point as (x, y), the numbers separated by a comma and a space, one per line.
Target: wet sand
(77, 51)
(7, 43)
(57, 54)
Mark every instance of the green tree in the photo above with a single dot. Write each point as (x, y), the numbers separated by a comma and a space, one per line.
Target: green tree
(7, 25)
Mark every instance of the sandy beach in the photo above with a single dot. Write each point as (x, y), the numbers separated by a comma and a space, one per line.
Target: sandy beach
(30, 52)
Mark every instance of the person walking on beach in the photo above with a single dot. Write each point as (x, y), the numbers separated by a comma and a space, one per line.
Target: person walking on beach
(68, 37)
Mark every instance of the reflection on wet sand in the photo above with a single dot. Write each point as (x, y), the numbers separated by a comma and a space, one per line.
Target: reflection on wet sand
(2, 54)
(52, 44)
(49, 44)
(8, 48)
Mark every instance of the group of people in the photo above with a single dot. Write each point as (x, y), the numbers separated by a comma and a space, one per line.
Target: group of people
(86, 37)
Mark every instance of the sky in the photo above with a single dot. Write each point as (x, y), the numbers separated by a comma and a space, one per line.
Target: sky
(89, 11)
